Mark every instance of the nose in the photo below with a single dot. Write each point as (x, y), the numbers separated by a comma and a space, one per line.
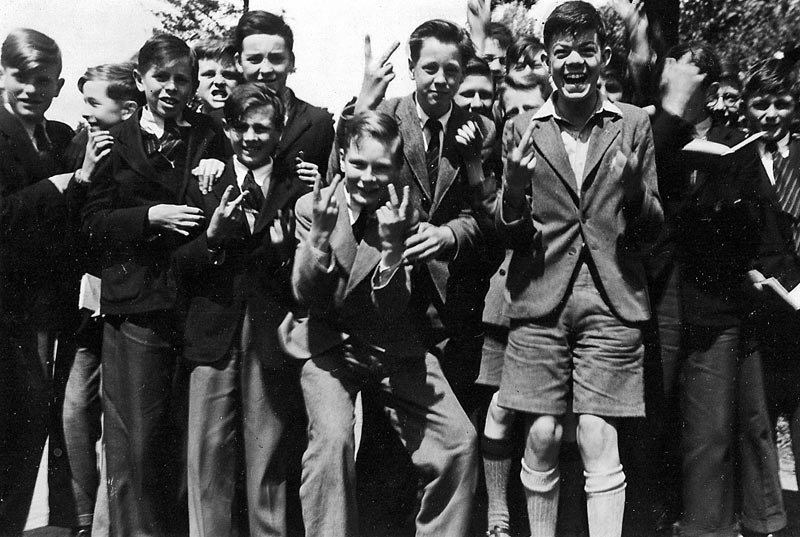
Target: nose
(772, 112)
(218, 80)
(169, 85)
(719, 104)
(475, 103)
(249, 134)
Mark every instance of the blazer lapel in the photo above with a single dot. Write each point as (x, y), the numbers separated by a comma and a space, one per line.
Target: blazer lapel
(343, 243)
(131, 139)
(227, 179)
(599, 142)
(413, 143)
(296, 126)
(547, 138)
(22, 150)
(448, 169)
(367, 256)
(281, 190)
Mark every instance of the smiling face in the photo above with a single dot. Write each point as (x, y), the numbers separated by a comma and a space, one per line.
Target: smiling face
(770, 113)
(265, 58)
(437, 74)
(100, 109)
(475, 94)
(167, 87)
(216, 79)
(369, 167)
(575, 63)
(29, 93)
(254, 137)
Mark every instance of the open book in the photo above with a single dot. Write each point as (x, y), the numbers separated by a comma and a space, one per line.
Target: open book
(773, 285)
(706, 147)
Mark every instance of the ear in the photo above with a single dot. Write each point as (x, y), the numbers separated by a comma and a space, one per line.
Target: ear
(137, 77)
(411, 68)
(128, 109)
(291, 62)
(226, 129)
(546, 59)
(59, 85)
(341, 159)
(606, 55)
(237, 61)
(711, 92)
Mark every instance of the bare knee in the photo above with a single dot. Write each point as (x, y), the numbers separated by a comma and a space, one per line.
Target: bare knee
(597, 440)
(543, 442)
(498, 420)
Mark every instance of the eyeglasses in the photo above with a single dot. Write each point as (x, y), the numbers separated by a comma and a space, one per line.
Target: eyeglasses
(730, 97)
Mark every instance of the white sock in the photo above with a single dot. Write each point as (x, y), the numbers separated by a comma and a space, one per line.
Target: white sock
(541, 493)
(605, 502)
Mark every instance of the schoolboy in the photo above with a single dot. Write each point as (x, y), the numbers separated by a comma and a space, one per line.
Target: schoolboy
(579, 202)
(35, 313)
(476, 92)
(216, 74)
(135, 212)
(109, 97)
(366, 329)
(521, 93)
(236, 279)
(714, 218)
(264, 53)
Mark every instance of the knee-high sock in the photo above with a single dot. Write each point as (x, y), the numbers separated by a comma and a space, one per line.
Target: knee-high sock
(541, 492)
(496, 468)
(605, 502)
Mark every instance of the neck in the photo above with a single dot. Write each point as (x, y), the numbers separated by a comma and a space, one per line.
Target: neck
(578, 112)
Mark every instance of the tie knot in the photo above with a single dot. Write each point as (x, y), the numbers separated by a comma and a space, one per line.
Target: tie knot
(433, 126)
(771, 146)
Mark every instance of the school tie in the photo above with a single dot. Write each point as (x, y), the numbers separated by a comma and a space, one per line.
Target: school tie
(432, 152)
(359, 227)
(788, 190)
(171, 140)
(254, 199)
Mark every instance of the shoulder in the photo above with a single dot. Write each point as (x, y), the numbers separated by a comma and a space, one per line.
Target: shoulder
(202, 121)
(59, 130)
(314, 113)
(633, 114)
(390, 106)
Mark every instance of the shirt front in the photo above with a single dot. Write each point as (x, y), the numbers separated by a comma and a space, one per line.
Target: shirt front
(443, 120)
(155, 125)
(262, 176)
(576, 144)
(767, 157)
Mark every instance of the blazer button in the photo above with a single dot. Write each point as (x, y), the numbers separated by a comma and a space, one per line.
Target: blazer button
(502, 272)
(573, 251)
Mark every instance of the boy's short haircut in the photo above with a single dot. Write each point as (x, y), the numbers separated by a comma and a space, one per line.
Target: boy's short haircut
(377, 125)
(220, 50)
(524, 50)
(572, 18)
(121, 84)
(730, 79)
(525, 83)
(162, 49)
(500, 33)
(245, 97)
(26, 49)
(772, 77)
(702, 56)
(262, 22)
(444, 31)
(478, 67)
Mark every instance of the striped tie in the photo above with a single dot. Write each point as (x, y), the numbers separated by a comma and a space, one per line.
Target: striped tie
(788, 192)
(432, 152)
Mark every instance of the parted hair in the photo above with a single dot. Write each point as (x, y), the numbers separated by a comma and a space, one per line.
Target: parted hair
(26, 49)
(262, 22)
(377, 125)
(162, 49)
(571, 18)
(444, 31)
(772, 77)
(246, 97)
(121, 84)
(215, 49)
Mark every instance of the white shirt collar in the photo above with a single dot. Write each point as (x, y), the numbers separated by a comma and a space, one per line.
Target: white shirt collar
(702, 128)
(261, 174)
(423, 117)
(353, 211)
(548, 109)
(155, 125)
(783, 145)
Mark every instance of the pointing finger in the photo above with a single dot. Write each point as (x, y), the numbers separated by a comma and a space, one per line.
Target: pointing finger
(385, 57)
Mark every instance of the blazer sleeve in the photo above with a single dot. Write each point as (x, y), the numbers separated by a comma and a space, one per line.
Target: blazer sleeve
(315, 276)
(20, 212)
(519, 233)
(646, 215)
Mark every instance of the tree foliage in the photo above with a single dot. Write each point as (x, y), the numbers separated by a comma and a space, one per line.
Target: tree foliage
(742, 31)
(194, 19)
